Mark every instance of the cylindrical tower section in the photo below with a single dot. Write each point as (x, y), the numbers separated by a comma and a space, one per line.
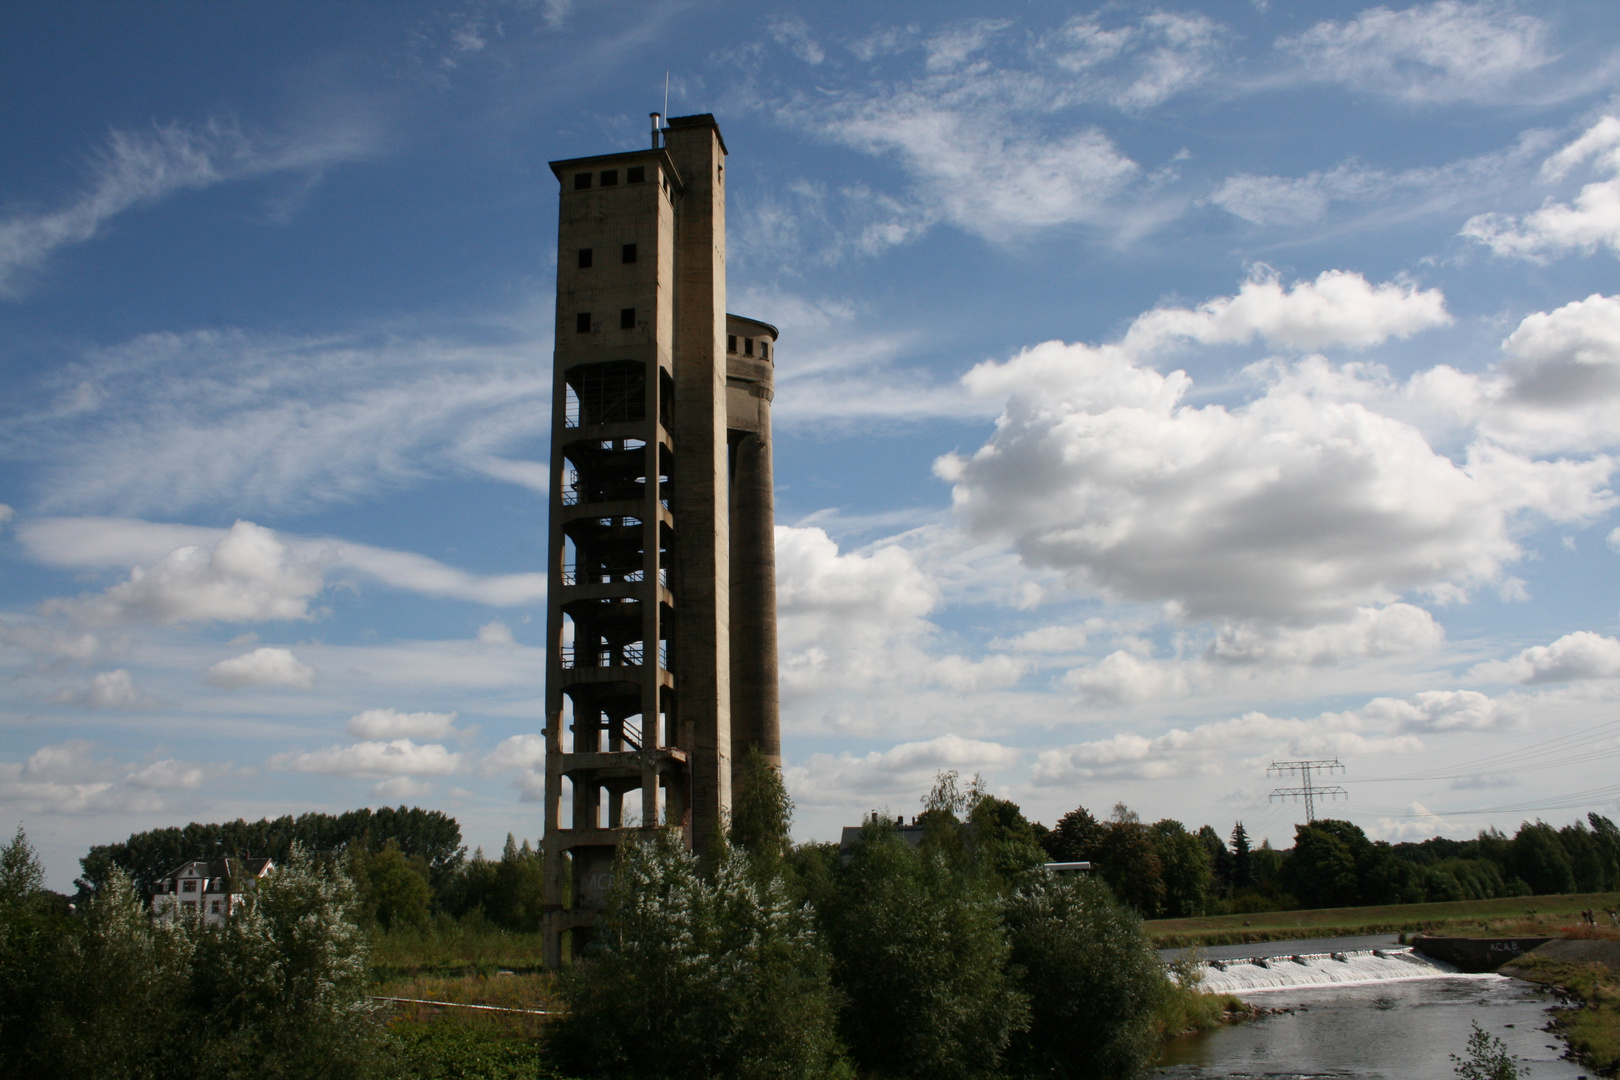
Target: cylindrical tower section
(750, 386)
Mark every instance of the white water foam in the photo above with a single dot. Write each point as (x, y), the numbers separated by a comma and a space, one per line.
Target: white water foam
(1362, 966)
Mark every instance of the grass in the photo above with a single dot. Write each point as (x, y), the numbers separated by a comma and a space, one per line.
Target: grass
(1185, 1010)
(448, 947)
(467, 964)
(1592, 1028)
(1521, 916)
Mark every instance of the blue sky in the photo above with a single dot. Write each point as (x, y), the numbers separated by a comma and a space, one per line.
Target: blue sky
(1163, 391)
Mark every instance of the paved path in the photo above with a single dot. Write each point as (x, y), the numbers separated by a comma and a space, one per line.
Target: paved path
(1286, 948)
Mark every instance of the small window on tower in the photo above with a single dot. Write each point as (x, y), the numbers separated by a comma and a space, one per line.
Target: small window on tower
(627, 318)
(629, 253)
(610, 177)
(748, 346)
(584, 258)
(582, 180)
(731, 343)
(635, 174)
(764, 350)
(582, 322)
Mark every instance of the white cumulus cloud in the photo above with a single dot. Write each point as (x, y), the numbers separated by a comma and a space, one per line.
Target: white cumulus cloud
(1573, 657)
(397, 757)
(1314, 497)
(265, 666)
(1588, 222)
(392, 724)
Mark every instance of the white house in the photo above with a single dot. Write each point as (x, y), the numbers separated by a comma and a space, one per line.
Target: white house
(213, 888)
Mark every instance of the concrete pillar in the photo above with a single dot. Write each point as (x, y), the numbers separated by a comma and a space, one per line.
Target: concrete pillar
(702, 647)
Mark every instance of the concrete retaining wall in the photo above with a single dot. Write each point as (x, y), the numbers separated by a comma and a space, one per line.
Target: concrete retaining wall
(1475, 954)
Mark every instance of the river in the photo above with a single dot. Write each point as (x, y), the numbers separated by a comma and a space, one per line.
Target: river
(1401, 1028)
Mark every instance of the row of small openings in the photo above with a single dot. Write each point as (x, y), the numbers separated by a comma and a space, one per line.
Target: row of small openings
(627, 254)
(627, 320)
(748, 346)
(635, 174)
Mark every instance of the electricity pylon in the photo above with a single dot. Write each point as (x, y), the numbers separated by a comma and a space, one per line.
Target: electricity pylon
(1307, 789)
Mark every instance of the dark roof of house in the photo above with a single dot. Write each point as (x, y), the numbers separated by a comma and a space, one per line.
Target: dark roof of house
(222, 868)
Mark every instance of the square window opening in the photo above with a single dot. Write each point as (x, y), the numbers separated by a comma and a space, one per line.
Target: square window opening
(610, 177)
(748, 346)
(582, 322)
(584, 258)
(627, 318)
(636, 174)
(629, 253)
(764, 350)
(582, 181)
(731, 343)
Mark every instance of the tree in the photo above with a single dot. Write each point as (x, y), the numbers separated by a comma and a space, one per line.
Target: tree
(31, 935)
(1538, 858)
(112, 1002)
(395, 891)
(1242, 870)
(1077, 837)
(279, 989)
(693, 978)
(1607, 838)
(1220, 859)
(1092, 978)
(147, 857)
(1322, 871)
(1184, 867)
(761, 813)
(1126, 860)
(920, 957)
(1002, 840)
(1488, 1058)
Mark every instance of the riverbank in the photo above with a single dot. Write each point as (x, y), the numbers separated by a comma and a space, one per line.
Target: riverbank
(1521, 916)
(1586, 974)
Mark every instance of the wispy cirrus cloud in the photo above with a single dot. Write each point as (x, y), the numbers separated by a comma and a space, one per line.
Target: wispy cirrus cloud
(212, 418)
(136, 168)
(1437, 52)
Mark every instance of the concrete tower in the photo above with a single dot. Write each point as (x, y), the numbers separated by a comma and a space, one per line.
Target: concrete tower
(661, 620)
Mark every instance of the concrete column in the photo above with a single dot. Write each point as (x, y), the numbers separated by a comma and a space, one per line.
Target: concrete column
(702, 660)
(754, 709)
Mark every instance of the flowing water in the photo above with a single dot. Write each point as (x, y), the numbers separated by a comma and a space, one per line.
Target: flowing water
(1393, 1016)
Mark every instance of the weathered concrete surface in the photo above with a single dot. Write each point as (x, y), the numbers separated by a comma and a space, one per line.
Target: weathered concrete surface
(1476, 954)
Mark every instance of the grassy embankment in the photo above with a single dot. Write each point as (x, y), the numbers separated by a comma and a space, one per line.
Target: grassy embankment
(1591, 1026)
(1520, 916)
(469, 966)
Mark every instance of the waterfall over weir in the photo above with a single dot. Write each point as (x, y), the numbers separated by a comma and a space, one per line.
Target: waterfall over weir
(1251, 975)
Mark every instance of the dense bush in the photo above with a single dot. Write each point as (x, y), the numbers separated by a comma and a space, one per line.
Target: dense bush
(921, 957)
(696, 976)
(277, 991)
(1093, 980)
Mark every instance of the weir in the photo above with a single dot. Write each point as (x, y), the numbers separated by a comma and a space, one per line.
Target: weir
(1256, 974)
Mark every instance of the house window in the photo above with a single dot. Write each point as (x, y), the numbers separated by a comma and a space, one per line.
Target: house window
(748, 346)
(213, 906)
(610, 177)
(582, 181)
(189, 905)
(635, 174)
(627, 318)
(584, 258)
(582, 322)
(731, 343)
(188, 886)
(629, 253)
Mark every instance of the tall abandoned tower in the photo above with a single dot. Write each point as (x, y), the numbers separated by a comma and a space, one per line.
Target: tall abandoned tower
(661, 615)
